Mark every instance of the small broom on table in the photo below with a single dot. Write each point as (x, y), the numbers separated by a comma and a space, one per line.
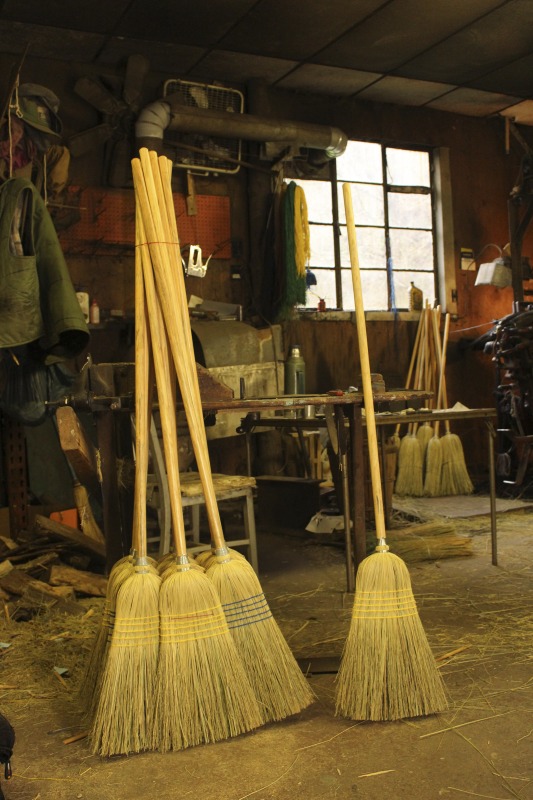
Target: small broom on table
(387, 669)
(279, 685)
(202, 692)
(124, 713)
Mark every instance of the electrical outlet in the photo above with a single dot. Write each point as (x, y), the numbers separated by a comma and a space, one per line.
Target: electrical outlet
(467, 259)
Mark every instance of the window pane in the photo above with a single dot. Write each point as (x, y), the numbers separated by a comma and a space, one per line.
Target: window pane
(324, 289)
(374, 286)
(412, 249)
(407, 167)
(409, 210)
(321, 240)
(367, 202)
(370, 248)
(318, 199)
(402, 282)
(361, 161)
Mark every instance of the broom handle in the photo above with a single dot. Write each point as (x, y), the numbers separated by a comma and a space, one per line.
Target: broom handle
(180, 337)
(368, 396)
(414, 356)
(164, 374)
(143, 413)
(163, 166)
(441, 358)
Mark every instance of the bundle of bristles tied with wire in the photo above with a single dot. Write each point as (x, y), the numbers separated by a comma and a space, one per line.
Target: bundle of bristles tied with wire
(429, 464)
(188, 651)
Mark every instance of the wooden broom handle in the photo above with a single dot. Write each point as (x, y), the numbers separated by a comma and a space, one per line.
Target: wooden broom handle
(368, 396)
(441, 357)
(143, 412)
(414, 356)
(164, 371)
(162, 167)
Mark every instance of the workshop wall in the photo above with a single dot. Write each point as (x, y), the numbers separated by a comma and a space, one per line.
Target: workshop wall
(482, 178)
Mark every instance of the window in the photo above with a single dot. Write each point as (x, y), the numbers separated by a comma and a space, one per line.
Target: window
(394, 216)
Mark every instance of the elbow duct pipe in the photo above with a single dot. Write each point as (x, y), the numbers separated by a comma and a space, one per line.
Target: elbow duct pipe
(163, 115)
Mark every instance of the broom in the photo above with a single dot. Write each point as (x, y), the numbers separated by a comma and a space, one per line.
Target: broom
(395, 438)
(454, 477)
(277, 680)
(433, 478)
(123, 717)
(409, 479)
(387, 669)
(202, 693)
(121, 570)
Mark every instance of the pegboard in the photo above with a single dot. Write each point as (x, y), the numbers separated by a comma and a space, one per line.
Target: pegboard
(107, 222)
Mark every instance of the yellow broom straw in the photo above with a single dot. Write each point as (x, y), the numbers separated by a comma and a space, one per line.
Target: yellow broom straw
(124, 714)
(387, 669)
(276, 678)
(202, 693)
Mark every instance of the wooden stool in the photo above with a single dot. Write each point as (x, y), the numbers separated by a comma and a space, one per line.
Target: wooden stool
(227, 487)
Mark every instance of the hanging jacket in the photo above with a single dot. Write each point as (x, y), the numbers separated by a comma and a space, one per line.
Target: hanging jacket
(38, 304)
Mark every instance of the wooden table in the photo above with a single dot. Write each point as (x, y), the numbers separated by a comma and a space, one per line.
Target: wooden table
(352, 403)
(260, 414)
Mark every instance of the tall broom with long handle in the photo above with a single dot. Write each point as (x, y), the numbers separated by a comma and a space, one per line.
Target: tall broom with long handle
(124, 714)
(202, 692)
(124, 567)
(433, 477)
(409, 479)
(387, 669)
(278, 683)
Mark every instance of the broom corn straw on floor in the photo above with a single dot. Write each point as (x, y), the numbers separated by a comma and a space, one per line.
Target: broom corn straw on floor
(387, 669)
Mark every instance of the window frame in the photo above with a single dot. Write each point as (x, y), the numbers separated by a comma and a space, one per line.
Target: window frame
(441, 225)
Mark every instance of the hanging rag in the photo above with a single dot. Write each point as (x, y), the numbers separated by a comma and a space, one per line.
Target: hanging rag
(295, 232)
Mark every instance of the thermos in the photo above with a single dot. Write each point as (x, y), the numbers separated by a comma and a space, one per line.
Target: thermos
(295, 372)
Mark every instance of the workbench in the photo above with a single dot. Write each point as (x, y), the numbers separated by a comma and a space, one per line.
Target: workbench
(260, 416)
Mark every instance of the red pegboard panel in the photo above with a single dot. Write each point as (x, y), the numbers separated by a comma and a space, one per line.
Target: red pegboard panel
(107, 221)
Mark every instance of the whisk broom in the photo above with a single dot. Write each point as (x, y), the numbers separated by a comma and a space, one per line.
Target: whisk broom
(202, 692)
(387, 669)
(279, 685)
(124, 713)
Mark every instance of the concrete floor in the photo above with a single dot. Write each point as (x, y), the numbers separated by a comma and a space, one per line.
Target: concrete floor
(482, 747)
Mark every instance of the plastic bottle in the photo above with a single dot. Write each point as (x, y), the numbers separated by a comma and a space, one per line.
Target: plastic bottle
(295, 372)
(416, 299)
(94, 313)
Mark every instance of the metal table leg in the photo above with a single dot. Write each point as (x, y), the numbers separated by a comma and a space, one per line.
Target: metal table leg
(492, 483)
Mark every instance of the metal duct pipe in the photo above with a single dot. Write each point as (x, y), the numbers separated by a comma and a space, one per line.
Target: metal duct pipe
(155, 118)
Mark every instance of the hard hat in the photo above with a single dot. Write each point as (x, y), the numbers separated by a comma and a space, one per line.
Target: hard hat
(38, 106)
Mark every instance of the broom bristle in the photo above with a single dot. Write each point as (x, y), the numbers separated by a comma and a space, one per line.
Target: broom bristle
(278, 682)
(97, 658)
(387, 670)
(455, 477)
(432, 479)
(202, 691)
(124, 718)
(424, 435)
(409, 477)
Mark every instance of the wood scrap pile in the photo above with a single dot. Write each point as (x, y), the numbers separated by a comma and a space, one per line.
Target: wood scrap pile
(50, 566)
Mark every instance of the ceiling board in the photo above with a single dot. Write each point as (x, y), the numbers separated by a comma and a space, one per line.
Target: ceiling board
(486, 45)
(518, 75)
(49, 42)
(282, 29)
(221, 65)
(96, 16)
(328, 80)
(400, 31)
(522, 113)
(166, 57)
(196, 22)
(479, 104)
(404, 91)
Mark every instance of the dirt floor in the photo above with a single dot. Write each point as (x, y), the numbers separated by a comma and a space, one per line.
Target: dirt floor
(482, 747)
